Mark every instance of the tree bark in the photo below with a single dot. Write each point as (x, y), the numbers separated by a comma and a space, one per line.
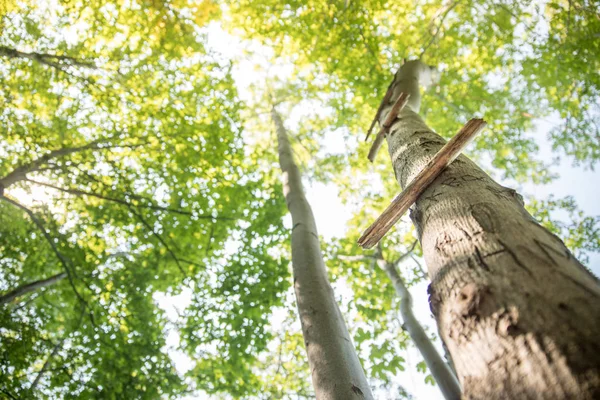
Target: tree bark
(440, 371)
(518, 313)
(31, 287)
(335, 367)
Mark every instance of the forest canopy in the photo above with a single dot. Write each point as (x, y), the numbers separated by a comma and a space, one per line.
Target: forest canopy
(144, 237)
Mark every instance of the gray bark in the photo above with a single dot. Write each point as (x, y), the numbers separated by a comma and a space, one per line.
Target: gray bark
(335, 367)
(518, 313)
(31, 287)
(440, 371)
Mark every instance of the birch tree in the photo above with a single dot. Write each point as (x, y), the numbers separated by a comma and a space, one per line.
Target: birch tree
(441, 371)
(335, 367)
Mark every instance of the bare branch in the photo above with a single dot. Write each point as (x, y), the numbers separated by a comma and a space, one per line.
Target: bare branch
(9, 394)
(408, 253)
(391, 117)
(386, 98)
(58, 61)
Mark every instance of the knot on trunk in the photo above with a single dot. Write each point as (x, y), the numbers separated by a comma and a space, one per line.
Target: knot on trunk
(507, 323)
(470, 299)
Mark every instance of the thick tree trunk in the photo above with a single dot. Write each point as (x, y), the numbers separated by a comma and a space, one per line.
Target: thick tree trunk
(31, 287)
(518, 313)
(335, 367)
(440, 371)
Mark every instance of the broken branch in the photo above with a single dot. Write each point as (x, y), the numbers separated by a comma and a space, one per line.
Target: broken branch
(411, 193)
(386, 98)
(391, 117)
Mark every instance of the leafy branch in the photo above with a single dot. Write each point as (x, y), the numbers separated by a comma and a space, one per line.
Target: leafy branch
(438, 28)
(30, 287)
(20, 173)
(78, 192)
(55, 350)
(60, 62)
(50, 241)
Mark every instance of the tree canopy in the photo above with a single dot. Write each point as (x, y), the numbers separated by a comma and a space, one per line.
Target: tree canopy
(137, 163)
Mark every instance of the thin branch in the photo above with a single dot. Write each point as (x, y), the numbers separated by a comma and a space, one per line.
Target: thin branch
(30, 287)
(50, 241)
(53, 60)
(9, 394)
(411, 193)
(160, 239)
(391, 117)
(78, 192)
(20, 172)
(55, 350)
(438, 28)
(24, 304)
(386, 98)
(91, 178)
(419, 266)
(408, 253)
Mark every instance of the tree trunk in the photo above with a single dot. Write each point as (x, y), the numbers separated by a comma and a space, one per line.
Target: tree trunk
(518, 313)
(335, 367)
(31, 287)
(440, 371)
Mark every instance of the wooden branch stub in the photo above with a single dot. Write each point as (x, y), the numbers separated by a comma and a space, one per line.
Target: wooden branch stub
(391, 117)
(411, 193)
(386, 98)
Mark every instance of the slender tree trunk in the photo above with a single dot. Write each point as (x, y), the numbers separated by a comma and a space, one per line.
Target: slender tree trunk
(518, 313)
(31, 287)
(440, 371)
(335, 367)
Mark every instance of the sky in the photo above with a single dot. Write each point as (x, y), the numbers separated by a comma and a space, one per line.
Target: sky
(332, 215)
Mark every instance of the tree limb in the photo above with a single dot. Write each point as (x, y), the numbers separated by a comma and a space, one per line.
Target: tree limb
(50, 241)
(439, 27)
(408, 253)
(55, 350)
(78, 192)
(160, 239)
(19, 173)
(30, 287)
(52, 60)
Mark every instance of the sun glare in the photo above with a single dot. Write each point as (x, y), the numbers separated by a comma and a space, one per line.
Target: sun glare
(33, 196)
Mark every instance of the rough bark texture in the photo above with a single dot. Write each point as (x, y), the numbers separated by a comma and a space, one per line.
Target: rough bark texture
(440, 371)
(31, 287)
(518, 313)
(335, 367)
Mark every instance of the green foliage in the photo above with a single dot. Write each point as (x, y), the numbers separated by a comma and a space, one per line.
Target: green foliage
(503, 65)
(128, 161)
(580, 232)
(123, 164)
